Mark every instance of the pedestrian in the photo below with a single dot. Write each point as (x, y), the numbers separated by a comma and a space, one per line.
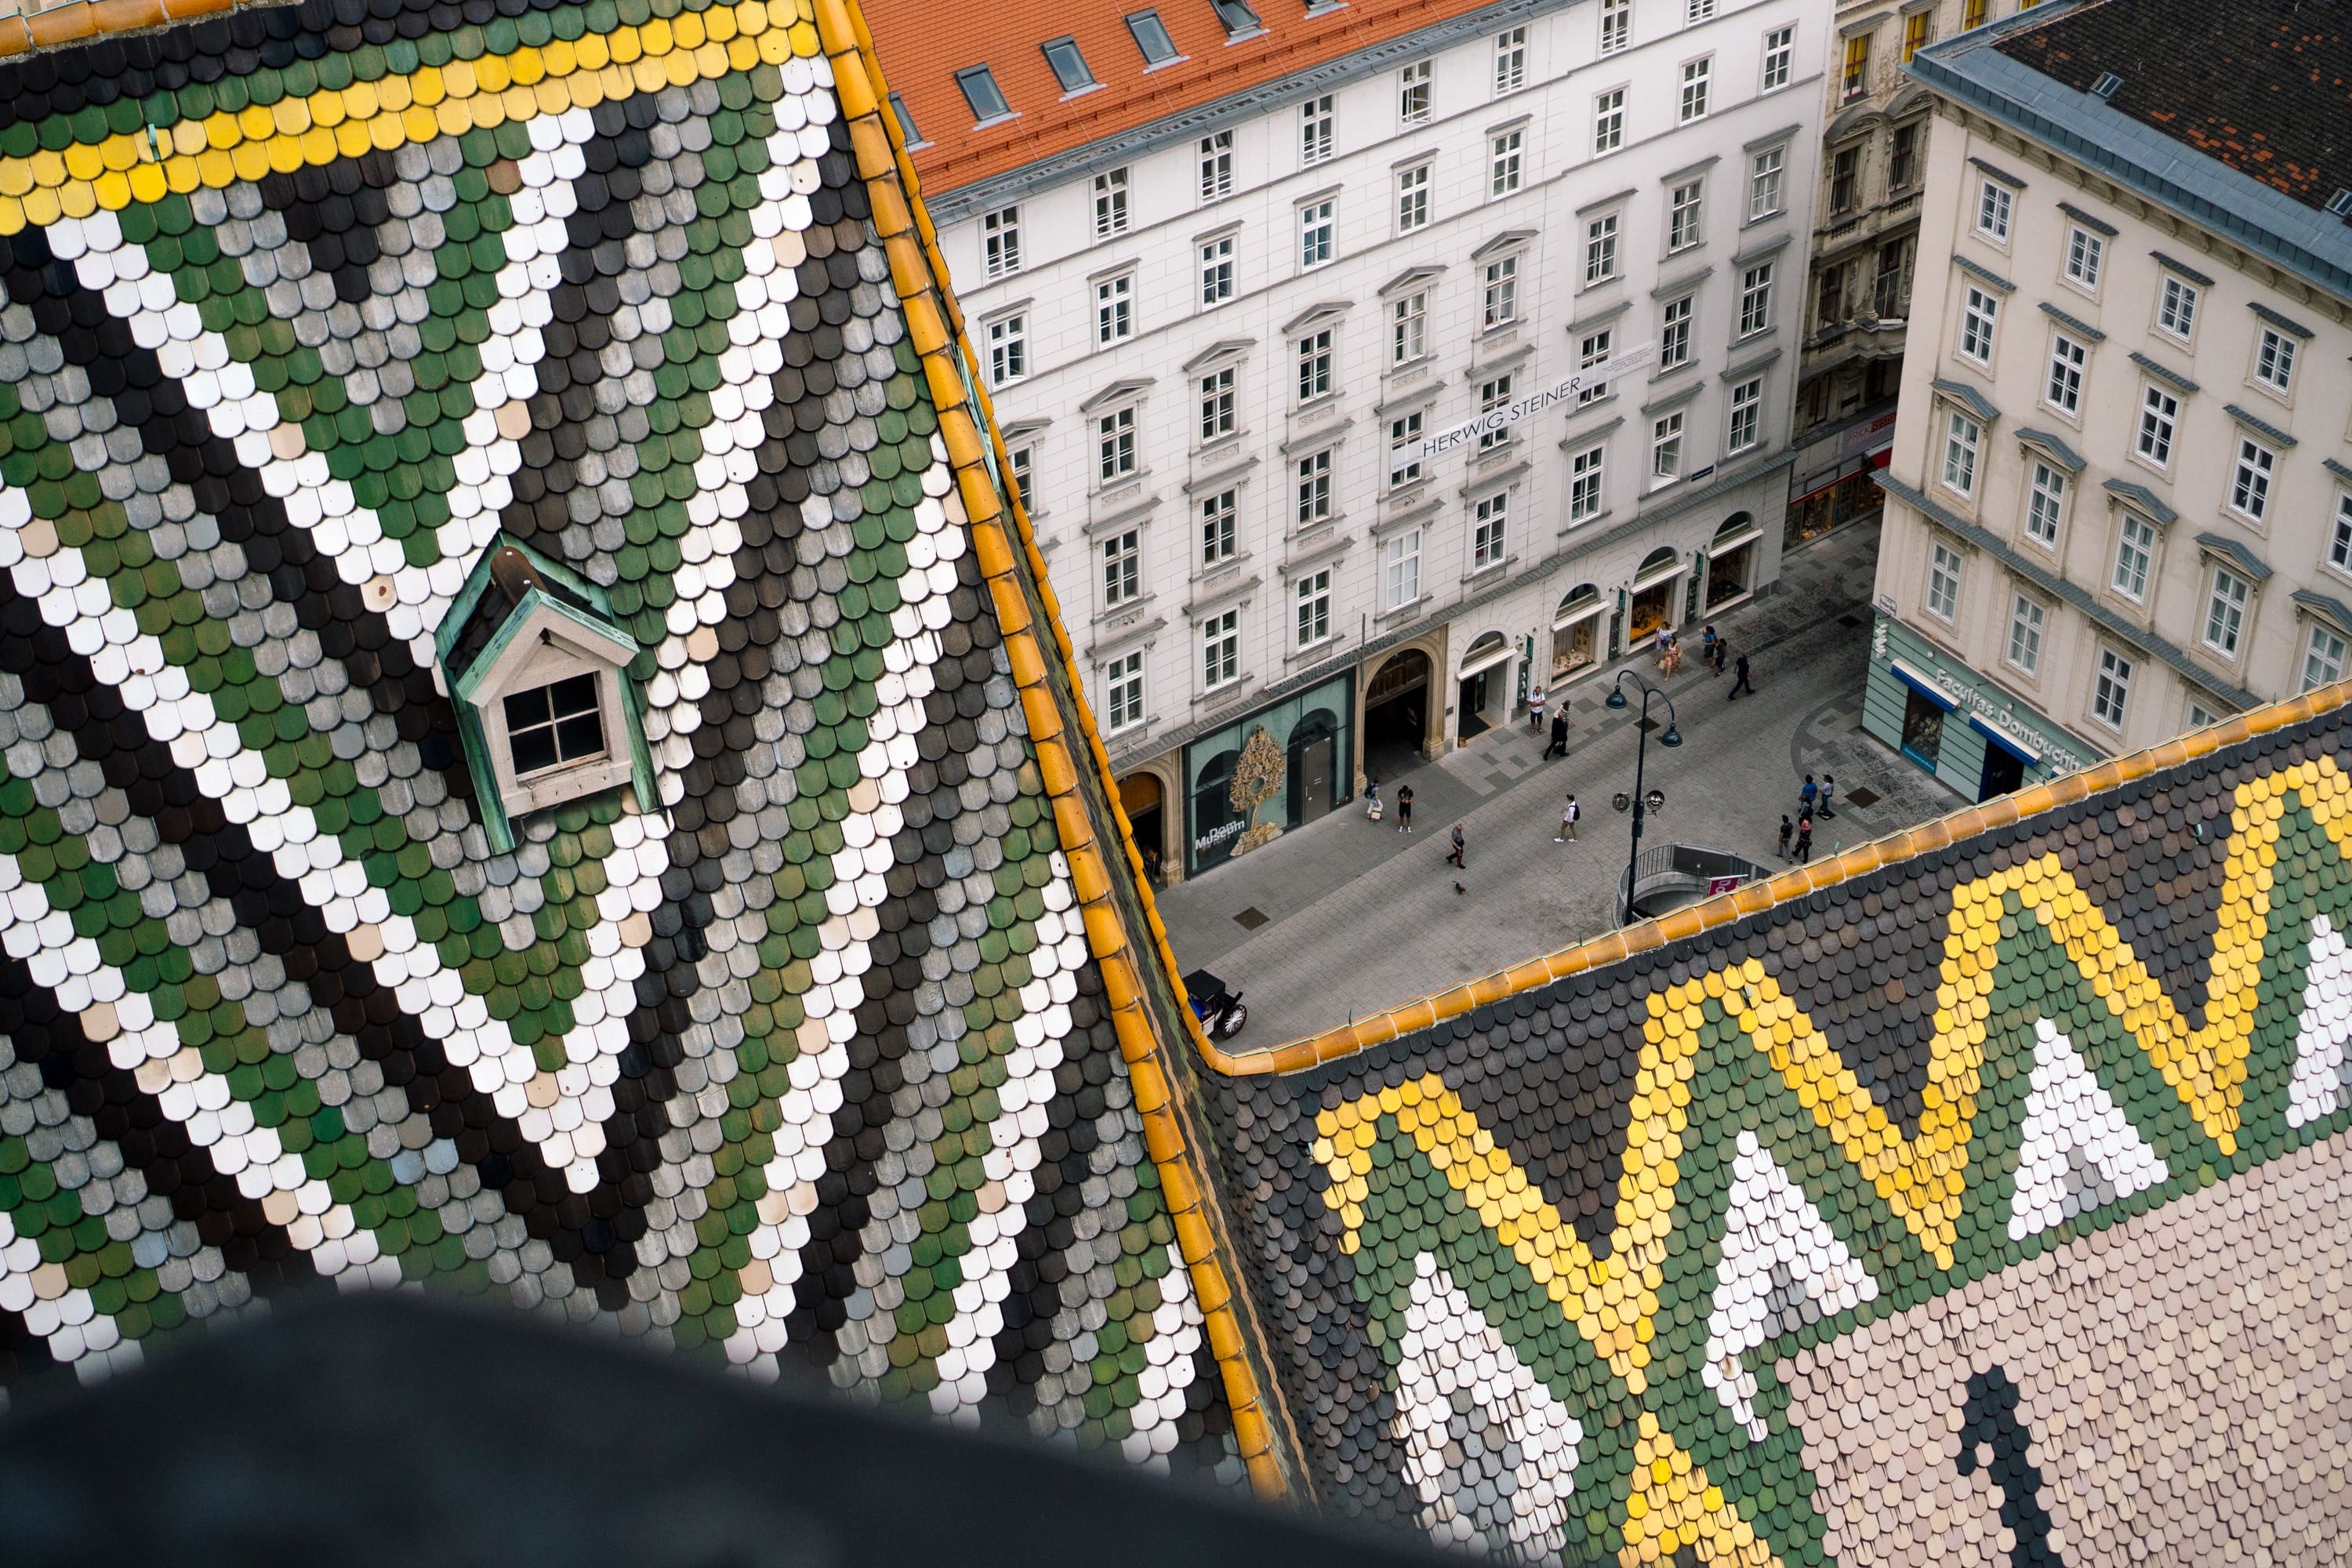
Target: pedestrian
(1404, 808)
(1809, 794)
(1707, 644)
(1372, 799)
(1722, 652)
(1536, 711)
(1567, 816)
(1805, 838)
(1559, 733)
(1742, 684)
(1787, 832)
(1453, 856)
(1672, 662)
(1829, 789)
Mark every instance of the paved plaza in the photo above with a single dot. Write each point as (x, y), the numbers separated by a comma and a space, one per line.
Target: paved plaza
(1347, 917)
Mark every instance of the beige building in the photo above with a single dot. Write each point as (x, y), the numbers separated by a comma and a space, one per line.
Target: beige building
(2119, 503)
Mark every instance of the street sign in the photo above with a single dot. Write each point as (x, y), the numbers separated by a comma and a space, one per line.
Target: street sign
(1534, 403)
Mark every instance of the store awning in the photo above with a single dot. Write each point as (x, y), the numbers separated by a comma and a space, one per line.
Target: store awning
(1920, 684)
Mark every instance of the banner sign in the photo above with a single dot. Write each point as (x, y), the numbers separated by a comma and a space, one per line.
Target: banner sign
(1509, 414)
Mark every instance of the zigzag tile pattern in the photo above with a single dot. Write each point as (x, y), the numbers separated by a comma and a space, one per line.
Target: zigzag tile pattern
(303, 311)
(1753, 1211)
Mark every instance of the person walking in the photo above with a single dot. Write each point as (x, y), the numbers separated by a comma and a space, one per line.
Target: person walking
(1707, 641)
(1829, 788)
(1453, 856)
(1568, 814)
(1536, 710)
(1559, 746)
(1809, 794)
(1372, 799)
(1404, 808)
(1805, 838)
(1743, 683)
(1722, 652)
(1787, 832)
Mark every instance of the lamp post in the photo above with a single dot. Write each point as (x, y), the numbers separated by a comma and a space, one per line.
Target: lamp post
(1642, 805)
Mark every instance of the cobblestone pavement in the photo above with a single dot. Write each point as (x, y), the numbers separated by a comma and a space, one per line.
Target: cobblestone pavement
(1347, 917)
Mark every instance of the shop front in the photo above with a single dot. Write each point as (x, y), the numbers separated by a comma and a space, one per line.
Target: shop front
(1946, 719)
(1731, 561)
(1278, 769)
(1655, 597)
(1576, 633)
(1483, 694)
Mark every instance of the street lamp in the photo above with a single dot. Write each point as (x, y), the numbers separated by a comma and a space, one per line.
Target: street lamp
(1642, 803)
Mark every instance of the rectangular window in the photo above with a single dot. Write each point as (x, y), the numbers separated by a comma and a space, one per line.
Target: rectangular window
(1608, 121)
(2114, 690)
(2085, 251)
(1593, 350)
(1493, 395)
(1963, 435)
(1023, 460)
(2135, 552)
(2045, 502)
(1312, 598)
(2025, 623)
(1008, 351)
(1413, 94)
(1503, 160)
(1510, 60)
(1979, 312)
(1944, 583)
(1697, 10)
(1314, 234)
(1764, 172)
(1918, 28)
(1315, 365)
(1216, 272)
(1400, 570)
(1115, 309)
(1408, 329)
(1219, 530)
(1666, 447)
(2067, 358)
(981, 93)
(1221, 651)
(2323, 660)
(2175, 308)
(1240, 20)
(1069, 65)
(1110, 203)
(1152, 39)
(1489, 532)
(2339, 547)
(1316, 122)
(2159, 411)
(1216, 165)
(1779, 49)
(1696, 78)
(1412, 198)
(1218, 416)
(1501, 292)
(1674, 333)
(1314, 489)
(1000, 241)
(1845, 179)
(2274, 361)
(2250, 487)
(1856, 78)
(1114, 446)
(907, 131)
(1584, 485)
(2225, 611)
(1404, 449)
(1683, 216)
(1123, 691)
(1890, 291)
(1756, 299)
(1600, 250)
(1972, 13)
(1747, 410)
(1993, 210)
(1829, 305)
(1616, 24)
(1122, 564)
(1902, 158)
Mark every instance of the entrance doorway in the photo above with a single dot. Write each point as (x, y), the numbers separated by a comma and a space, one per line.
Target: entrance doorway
(1313, 768)
(1923, 729)
(1396, 714)
(1142, 797)
(1484, 700)
(1652, 605)
(2004, 770)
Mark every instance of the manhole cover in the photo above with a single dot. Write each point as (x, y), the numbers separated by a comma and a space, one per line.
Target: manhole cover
(1252, 918)
(1863, 796)
(1849, 620)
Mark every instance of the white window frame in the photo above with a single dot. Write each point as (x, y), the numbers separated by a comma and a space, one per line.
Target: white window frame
(1123, 692)
(1747, 416)
(2324, 654)
(1697, 85)
(2134, 561)
(1945, 570)
(2111, 692)
(1312, 608)
(2046, 488)
(1600, 248)
(2176, 302)
(1686, 215)
(1312, 491)
(1995, 211)
(1409, 328)
(2160, 425)
(1317, 233)
(1118, 456)
(1506, 161)
(2086, 256)
(1510, 60)
(1114, 308)
(1674, 326)
(1591, 350)
(1008, 349)
(1220, 528)
(1416, 89)
(1494, 392)
(1111, 192)
(1587, 483)
(2339, 544)
(1221, 651)
(2228, 598)
(1666, 448)
(1401, 569)
(1490, 531)
(1616, 25)
(1000, 241)
(1318, 131)
(1766, 172)
(1756, 299)
(1963, 451)
(1220, 403)
(1404, 448)
(1980, 315)
(1314, 357)
(1413, 198)
(2275, 357)
(1779, 49)
(1122, 567)
(2027, 620)
(1498, 299)
(1216, 165)
(2250, 480)
(2069, 361)
(1216, 257)
(1608, 121)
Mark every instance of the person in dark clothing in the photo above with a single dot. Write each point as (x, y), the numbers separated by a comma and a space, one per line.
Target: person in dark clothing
(1805, 839)
(1722, 652)
(1809, 794)
(1453, 856)
(1559, 747)
(1742, 684)
(1829, 792)
(1787, 832)
(1404, 808)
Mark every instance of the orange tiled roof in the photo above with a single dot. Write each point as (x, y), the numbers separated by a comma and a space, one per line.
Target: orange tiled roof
(923, 43)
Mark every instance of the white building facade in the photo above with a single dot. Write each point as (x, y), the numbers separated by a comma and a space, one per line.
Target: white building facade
(2120, 500)
(1217, 346)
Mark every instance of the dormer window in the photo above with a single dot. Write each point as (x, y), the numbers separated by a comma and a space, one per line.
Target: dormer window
(538, 669)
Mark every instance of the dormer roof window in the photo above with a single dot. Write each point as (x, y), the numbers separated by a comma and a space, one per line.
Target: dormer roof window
(538, 669)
